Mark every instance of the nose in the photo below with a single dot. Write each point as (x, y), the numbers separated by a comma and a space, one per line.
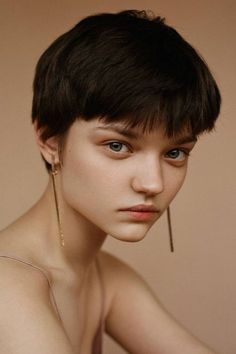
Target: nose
(149, 178)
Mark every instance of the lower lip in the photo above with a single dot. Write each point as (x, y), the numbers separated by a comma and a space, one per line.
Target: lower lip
(141, 215)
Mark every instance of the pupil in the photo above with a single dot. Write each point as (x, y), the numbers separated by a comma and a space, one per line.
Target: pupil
(174, 153)
(116, 146)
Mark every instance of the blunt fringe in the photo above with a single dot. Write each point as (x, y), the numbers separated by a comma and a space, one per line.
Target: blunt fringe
(128, 66)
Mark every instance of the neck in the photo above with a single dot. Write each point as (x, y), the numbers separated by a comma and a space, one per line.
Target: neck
(82, 239)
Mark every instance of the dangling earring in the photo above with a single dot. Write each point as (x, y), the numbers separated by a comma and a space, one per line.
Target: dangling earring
(54, 172)
(170, 230)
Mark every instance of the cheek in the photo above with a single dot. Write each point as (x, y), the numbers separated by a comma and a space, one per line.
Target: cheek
(174, 180)
(90, 183)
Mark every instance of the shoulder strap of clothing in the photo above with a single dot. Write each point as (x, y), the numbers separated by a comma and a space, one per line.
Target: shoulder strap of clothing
(98, 339)
(44, 272)
(103, 292)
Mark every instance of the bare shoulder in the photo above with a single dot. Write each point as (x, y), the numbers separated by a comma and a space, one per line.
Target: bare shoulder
(20, 284)
(136, 318)
(26, 312)
(118, 275)
(17, 275)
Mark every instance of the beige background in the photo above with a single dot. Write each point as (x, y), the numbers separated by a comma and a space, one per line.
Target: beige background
(196, 283)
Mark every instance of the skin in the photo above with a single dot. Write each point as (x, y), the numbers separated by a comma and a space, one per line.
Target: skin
(100, 171)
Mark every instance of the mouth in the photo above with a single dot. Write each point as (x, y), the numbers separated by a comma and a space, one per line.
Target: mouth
(141, 212)
(141, 208)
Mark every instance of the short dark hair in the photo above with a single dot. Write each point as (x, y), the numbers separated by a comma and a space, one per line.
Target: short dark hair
(127, 66)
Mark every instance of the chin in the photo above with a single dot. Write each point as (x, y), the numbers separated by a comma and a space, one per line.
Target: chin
(129, 234)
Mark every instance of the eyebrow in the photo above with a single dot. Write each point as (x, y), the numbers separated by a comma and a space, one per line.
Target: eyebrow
(133, 135)
(185, 140)
(120, 130)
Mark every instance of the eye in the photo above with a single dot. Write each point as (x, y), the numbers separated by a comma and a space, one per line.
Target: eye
(117, 146)
(178, 154)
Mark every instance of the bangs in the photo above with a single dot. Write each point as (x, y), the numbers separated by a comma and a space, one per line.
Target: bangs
(193, 106)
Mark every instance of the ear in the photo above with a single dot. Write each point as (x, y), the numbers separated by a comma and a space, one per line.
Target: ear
(48, 148)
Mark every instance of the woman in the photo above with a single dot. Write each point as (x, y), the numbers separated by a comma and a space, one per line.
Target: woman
(119, 102)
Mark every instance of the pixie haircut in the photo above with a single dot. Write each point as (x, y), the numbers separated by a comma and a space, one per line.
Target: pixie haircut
(129, 67)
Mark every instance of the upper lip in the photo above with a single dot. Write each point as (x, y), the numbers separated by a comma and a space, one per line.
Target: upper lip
(142, 207)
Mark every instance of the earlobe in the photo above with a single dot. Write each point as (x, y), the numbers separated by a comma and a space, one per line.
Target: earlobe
(49, 147)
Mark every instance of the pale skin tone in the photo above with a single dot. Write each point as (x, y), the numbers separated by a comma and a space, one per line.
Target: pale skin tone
(100, 171)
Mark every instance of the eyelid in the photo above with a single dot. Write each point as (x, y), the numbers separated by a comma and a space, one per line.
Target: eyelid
(183, 147)
(188, 145)
(185, 150)
(120, 141)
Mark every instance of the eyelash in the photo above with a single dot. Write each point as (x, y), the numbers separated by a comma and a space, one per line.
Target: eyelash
(184, 151)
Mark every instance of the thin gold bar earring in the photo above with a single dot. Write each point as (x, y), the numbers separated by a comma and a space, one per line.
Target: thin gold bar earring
(54, 172)
(170, 230)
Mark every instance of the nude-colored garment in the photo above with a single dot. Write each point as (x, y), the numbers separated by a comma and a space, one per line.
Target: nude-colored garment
(97, 341)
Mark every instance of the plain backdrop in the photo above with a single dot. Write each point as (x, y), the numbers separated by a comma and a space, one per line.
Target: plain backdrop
(196, 283)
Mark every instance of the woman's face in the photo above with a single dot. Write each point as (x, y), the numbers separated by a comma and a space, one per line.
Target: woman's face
(107, 168)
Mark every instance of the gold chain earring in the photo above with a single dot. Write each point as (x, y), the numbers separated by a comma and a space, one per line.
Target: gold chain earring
(54, 172)
(170, 230)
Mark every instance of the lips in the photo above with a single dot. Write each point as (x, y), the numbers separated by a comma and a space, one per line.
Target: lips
(142, 208)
